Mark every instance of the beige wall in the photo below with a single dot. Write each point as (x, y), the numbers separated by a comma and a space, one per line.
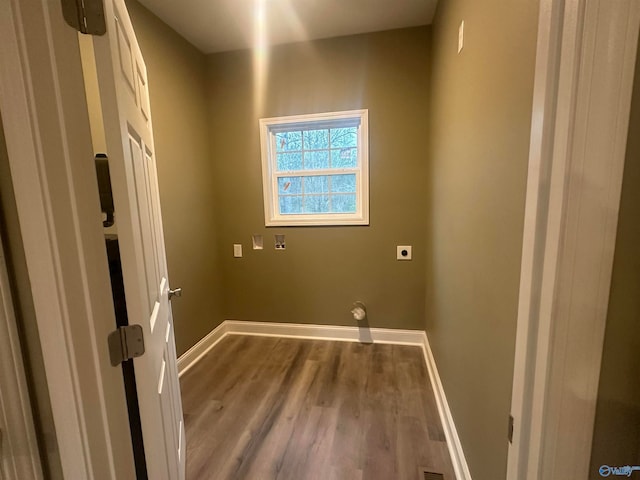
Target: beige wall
(480, 127)
(616, 438)
(178, 92)
(325, 269)
(26, 320)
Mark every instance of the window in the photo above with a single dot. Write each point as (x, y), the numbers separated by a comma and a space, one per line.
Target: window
(315, 169)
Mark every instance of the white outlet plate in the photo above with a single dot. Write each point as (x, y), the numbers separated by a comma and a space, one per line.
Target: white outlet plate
(403, 252)
(237, 250)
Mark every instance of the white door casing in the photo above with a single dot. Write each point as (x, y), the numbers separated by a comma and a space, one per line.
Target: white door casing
(50, 157)
(49, 145)
(32, 138)
(124, 97)
(584, 77)
(19, 456)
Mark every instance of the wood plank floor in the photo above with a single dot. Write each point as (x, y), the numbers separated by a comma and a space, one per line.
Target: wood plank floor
(261, 408)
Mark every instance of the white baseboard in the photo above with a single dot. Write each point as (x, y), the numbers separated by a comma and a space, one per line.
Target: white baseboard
(296, 330)
(325, 332)
(456, 453)
(343, 334)
(192, 356)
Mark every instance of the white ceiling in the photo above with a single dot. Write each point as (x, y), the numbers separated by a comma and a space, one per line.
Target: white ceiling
(222, 25)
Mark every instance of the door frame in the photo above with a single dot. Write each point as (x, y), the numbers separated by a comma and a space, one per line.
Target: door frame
(584, 77)
(51, 161)
(48, 141)
(17, 435)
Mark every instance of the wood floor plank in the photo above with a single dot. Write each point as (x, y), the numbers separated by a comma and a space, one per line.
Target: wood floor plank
(270, 408)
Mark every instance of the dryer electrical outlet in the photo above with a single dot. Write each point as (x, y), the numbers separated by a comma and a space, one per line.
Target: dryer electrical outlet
(403, 252)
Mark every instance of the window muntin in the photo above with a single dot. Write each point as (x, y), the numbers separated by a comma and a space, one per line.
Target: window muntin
(315, 169)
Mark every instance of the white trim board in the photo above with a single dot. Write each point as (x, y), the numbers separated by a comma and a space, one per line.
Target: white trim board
(49, 147)
(326, 332)
(584, 78)
(296, 330)
(416, 338)
(454, 445)
(19, 456)
(192, 356)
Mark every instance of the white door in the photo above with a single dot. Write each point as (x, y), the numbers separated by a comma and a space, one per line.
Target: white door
(124, 96)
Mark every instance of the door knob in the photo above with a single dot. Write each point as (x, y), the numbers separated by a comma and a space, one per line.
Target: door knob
(175, 293)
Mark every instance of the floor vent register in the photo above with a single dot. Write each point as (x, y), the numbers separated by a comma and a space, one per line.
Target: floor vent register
(427, 475)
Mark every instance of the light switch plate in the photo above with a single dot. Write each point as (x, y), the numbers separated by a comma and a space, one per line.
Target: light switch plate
(403, 252)
(237, 250)
(461, 36)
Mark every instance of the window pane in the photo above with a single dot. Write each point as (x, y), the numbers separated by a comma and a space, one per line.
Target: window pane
(316, 204)
(343, 183)
(344, 137)
(343, 203)
(289, 161)
(314, 139)
(290, 185)
(344, 157)
(318, 184)
(315, 169)
(316, 160)
(288, 141)
(290, 204)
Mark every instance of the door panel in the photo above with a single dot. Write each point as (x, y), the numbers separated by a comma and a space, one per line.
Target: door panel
(129, 137)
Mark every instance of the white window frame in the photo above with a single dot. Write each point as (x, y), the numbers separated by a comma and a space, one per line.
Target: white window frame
(270, 126)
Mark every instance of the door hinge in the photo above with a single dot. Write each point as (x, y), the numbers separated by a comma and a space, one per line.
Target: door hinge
(86, 16)
(511, 427)
(125, 343)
